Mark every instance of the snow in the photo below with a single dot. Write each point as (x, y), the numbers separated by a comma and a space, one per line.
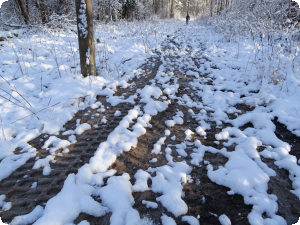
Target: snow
(157, 146)
(69, 202)
(83, 25)
(44, 163)
(53, 98)
(58, 99)
(149, 91)
(168, 182)
(72, 139)
(154, 160)
(153, 107)
(167, 220)
(5, 206)
(79, 130)
(150, 204)
(28, 218)
(167, 132)
(79, 190)
(180, 148)
(168, 154)
(104, 120)
(57, 144)
(201, 131)
(191, 220)
(188, 134)
(34, 185)
(224, 220)
(117, 196)
(176, 120)
(117, 113)
(11, 163)
(84, 222)
(141, 184)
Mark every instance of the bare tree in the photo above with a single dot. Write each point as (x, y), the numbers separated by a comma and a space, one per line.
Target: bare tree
(172, 9)
(24, 11)
(43, 11)
(100, 8)
(84, 12)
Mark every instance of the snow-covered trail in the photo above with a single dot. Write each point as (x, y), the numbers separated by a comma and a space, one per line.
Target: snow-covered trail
(188, 146)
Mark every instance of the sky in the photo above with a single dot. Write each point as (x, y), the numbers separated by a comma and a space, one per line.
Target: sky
(1, 1)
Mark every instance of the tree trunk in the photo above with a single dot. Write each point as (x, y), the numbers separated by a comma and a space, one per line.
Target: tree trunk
(16, 10)
(156, 6)
(43, 11)
(63, 3)
(172, 9)
(289, 9)
(109, 12)
(27, 6)
(84, 11)
(24, 11)
(99, 16)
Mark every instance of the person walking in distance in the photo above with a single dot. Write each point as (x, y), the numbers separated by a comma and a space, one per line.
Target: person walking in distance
(187, 19)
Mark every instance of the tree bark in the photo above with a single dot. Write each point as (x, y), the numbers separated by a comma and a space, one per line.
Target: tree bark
(64, 6)
(172, 9)
(84, 11)
(43, 11)
(99, 16)
(156, 6)
(24, 11)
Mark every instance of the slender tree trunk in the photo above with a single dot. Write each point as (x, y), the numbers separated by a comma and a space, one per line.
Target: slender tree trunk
(289, 9)
(109, 11)
(27, 6)
(221, 6)
(156, 6)
(172, 9)
(24, 11)
(84, 13)
(63, 2)
(16, 10)
(43, 11)
(281, 11)
(99, 10)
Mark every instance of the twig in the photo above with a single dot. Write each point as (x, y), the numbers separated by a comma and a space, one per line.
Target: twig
(296, 111)
(283, 82)
(56, 61)
(10, 95)
(16, 91)
(2, 128)
(41, 82)
(33, 113)
(20, 106)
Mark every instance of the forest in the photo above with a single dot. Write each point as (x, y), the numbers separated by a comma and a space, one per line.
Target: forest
(19, 12)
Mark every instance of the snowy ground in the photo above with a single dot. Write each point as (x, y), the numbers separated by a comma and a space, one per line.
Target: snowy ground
(39, 74)
(200, 111)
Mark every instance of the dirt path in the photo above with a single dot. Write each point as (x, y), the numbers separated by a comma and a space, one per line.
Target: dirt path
(17, 187)
(203, 197)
